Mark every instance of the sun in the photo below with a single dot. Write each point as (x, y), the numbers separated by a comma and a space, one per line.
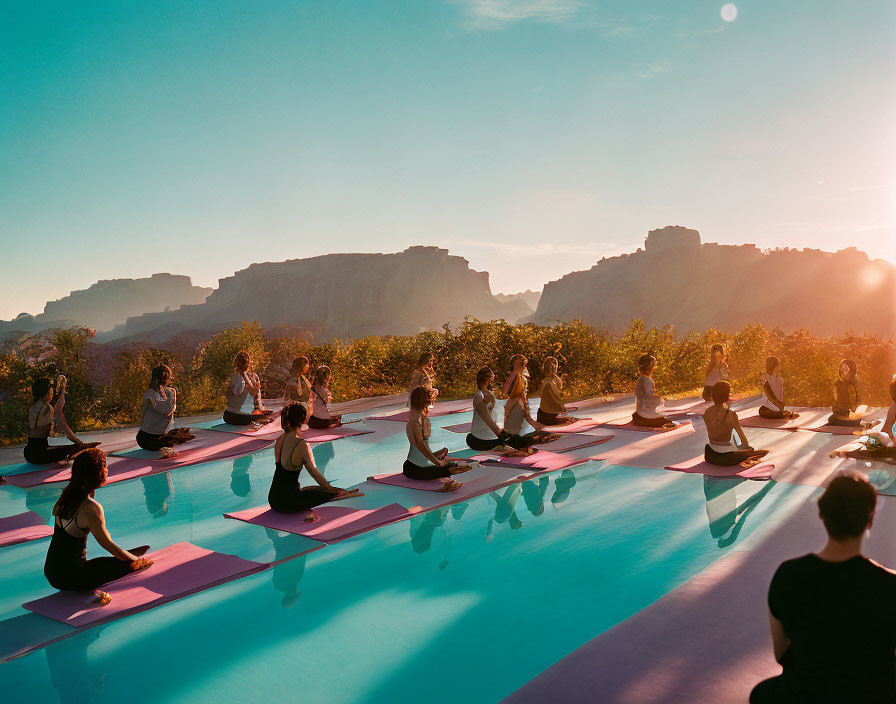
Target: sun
(729, 12)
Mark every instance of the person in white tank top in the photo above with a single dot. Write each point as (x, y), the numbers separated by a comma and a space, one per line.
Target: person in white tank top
(516, 412)
(716, 372)
(773, 392)
(648, 404)
(422, 463)
(485, 434)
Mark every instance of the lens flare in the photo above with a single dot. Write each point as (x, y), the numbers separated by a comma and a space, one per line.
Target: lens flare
(729, 12)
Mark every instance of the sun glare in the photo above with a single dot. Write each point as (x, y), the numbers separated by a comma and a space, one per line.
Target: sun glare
(729, 12)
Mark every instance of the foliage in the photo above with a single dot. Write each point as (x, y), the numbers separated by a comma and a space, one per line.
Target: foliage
(593, 361)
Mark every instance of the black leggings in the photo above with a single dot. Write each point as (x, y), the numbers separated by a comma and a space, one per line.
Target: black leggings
(323, 423)
(771, 413)
(39, 451)
(414, 471)
(301, 500)
(153, 442)
(517, 442)
(729, 459)
(548, 418)
(86, 575)
(643, 422)
(241, 418)
(848, 422)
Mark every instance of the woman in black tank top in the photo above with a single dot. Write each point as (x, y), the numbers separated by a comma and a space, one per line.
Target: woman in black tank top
(285, 494)
(77, 516)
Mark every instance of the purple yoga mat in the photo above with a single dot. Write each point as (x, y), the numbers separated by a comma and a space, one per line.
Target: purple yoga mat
(626, 424)
(573, 441)
(439, 409)
(179, 570)
(763, 470)
(336, 522)
(580, 426)
(23, 528)
(128, 464)
(541, 461)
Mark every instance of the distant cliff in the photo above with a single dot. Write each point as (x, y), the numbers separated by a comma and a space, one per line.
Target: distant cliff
(677, 280)
(109, 303)
(529, 297)
(339, 295)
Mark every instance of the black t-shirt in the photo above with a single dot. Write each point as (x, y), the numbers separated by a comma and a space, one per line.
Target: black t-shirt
(841, 620)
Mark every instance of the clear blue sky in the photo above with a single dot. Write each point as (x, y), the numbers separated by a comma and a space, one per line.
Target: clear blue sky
(531, 136)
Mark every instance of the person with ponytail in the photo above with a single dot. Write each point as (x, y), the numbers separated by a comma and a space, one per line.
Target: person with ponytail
(43, 415)
(648, 402)
(519, 364)
(321, 417)
(292, 453)
(77, 515)
(716, 371)
(298, 387)
(424, 375)
(721, 426)
(422, 463)
(551, 410)
(846, 409)
(244, 383)
(516, 411)
(157, 411)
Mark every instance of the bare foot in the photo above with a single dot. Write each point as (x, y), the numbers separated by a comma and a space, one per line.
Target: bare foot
(312, 518)
(141, 564)
(461, 468)
(168, 452)
(450, 485)
(351, 494)
(102, 598)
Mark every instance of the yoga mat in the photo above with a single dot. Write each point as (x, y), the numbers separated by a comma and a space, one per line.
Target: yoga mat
(179, 570)
(23, 528)
(481, 483)
(445, 408)
(626, 424)
(128, 464)
(808, 416)
(336, 522)
(580, 426)
(763, 470)
(821, 425)
(330, 434)
(270, 428)
(573, 442)
(541, 461)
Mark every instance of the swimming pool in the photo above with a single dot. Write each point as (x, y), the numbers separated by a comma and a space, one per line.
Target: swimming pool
(467, 602)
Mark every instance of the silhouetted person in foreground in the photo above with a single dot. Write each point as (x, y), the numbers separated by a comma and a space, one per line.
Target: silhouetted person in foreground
(833, 613)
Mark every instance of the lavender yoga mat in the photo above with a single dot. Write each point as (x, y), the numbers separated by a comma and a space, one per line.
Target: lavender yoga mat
(573, 442)
(439, 409)
(624, 424)
(179, 570)
(541, 461)
(128, 464)
(23, 528)
(336, 522)
(763, 470)
(580, 426)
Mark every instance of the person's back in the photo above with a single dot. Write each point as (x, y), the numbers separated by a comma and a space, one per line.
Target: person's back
(841, 620)
(833, 613)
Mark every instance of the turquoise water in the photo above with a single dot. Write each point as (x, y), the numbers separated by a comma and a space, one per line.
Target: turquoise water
(466, 603)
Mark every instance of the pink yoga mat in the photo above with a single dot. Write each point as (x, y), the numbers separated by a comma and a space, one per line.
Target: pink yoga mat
(330, 434)
(272, 427)
(580, 426)
(763, 470)
(439, 409)
(473, 487)
(541, 461)
(128, 464)
(808, 416)
(821, 425)
(179, 570)
(573, 441)
(626, 424)
(336, 522)
(23, 528)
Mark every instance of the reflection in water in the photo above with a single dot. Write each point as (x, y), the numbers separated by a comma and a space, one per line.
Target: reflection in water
(323, 453)
(71, 674)
(423, 527)
(533, 495)
(726, 517)
(286, 576)
(157, 489)
(562, 486)
(41, 500)
(240, 484)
